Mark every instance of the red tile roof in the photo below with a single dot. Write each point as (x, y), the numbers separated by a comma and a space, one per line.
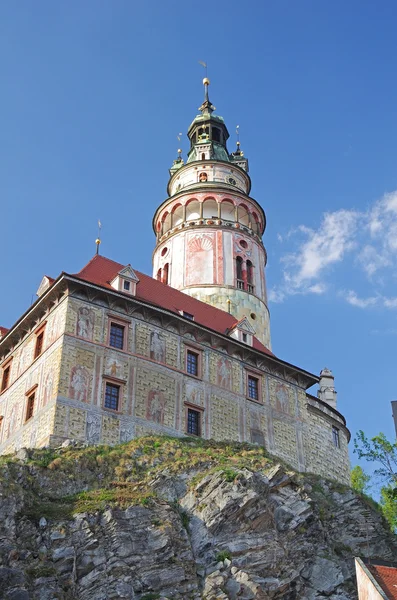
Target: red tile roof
(101, 271)
(387, 579)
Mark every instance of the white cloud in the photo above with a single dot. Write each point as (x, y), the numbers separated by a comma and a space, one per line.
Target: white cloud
(370, 237)
(352, 298)
(318, 251)
(390, 302)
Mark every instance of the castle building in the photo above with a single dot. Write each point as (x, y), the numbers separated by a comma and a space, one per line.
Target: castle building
(108, 353)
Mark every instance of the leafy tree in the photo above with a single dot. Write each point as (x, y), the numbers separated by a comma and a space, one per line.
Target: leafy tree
(388, 502)
(359, 479)
(379, 450)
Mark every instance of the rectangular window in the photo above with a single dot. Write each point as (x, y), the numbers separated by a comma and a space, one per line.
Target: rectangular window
(30, 406)
(39, 344)
(253, 387)
(5, 382)
(116, 337)
(192, 363)
(335, 437)
(112, 395)
(127, 285)
(193, 421)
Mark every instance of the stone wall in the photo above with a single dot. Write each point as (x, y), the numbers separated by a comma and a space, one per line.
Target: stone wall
(33, 375)
(156, 392)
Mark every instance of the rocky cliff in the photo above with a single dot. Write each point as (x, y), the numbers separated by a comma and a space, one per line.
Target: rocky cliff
(178, 519)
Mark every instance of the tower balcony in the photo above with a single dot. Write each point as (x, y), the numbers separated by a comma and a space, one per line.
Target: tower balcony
(251, 229)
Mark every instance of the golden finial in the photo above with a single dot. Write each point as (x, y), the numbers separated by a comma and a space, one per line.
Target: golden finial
(206, 81)
(98, 240)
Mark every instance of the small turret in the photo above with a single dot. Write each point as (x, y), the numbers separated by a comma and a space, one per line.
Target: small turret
(326, 391)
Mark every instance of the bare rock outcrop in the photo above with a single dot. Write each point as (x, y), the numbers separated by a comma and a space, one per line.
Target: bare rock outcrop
(176, 519)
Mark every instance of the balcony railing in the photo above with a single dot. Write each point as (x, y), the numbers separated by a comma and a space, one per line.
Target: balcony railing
(240, 284)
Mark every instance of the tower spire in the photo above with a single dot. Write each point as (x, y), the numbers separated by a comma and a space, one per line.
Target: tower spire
(206, 108)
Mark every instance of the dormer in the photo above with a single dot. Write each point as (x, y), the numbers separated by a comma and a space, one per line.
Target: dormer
(243, 332)
(125, 281)
(44, 285)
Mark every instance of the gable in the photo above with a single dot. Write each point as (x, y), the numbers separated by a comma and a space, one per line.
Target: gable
(128, 273)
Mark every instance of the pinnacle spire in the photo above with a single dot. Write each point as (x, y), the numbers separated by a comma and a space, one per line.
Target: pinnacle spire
(206, 108)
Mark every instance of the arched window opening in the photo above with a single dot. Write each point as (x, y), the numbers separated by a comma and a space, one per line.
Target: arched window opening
(165, 273)
(216, 134)
(250, 276)
(256, 226)
(243, 216)
(192, 210)
(203, 156)
(239, 273)
(210, 209)
(177, 215)
(159, 275)
(227, 210)
(166, 222)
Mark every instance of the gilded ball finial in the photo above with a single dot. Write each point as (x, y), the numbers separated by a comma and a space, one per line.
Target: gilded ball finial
(206, 81)
(97, 241)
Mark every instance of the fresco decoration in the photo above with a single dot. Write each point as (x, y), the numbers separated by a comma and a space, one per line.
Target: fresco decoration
(155, 406)
(282, 403)
(200, 259)
(47, 388)
(24, 360)
(114, 367)
(193, 394)
(79, 384)
(256, 433)
(126, 432)
(224, 372)
(157, 347)
(54, 328)
(85, 323)
(93, 428)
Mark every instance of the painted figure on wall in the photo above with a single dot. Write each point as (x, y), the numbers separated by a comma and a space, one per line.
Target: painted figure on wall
(155, 407)
(54, 327)
(113, 367)
(48, 385)
(13, 414)
(193, 394)
(23, 360)
(78, 389)
(85, 323)
(93, 428)
(224, 368)
(282, 400)
(157, 347)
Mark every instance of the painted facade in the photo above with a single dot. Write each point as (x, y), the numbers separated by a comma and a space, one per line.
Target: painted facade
(108, 330)
(77, 361)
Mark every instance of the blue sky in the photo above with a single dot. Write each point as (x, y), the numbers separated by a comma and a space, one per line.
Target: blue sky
(93, 96)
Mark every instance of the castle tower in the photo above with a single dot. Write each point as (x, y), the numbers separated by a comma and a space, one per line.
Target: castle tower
(209, 230)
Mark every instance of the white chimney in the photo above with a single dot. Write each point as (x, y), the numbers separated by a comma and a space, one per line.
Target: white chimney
(326, 391)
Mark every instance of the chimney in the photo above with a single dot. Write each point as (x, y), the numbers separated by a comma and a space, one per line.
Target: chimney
(326, 391)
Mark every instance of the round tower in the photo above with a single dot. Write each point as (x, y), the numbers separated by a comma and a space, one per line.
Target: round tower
(209, 230)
